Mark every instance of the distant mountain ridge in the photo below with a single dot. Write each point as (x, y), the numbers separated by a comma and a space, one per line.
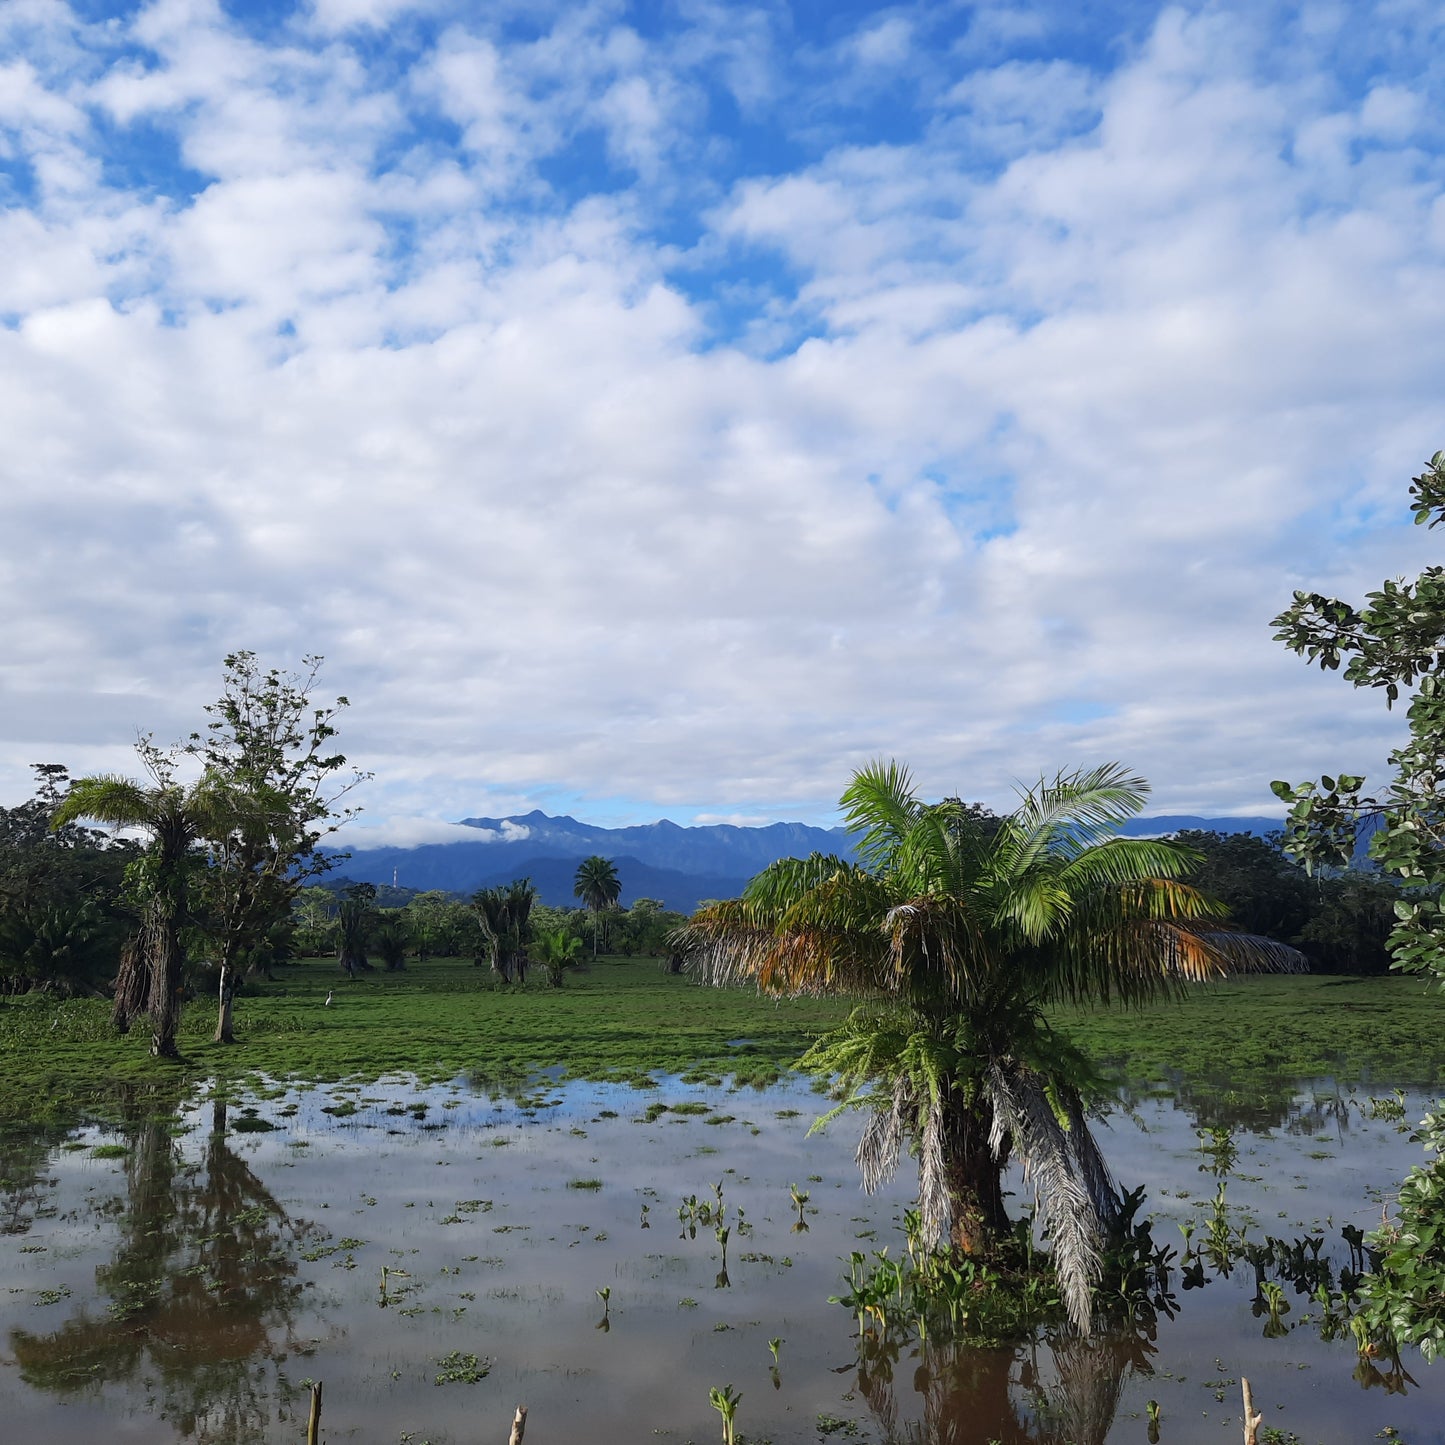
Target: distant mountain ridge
(703, 848)
(663, 860)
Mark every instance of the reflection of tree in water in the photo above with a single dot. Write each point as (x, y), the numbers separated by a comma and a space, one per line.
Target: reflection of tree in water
(1064, 1391)
(25, 1178)
(200, 1280)
(1259, 1106)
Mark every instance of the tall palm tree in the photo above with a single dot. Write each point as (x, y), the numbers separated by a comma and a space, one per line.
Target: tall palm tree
(960, 931)
(175, 816)
(599, 887)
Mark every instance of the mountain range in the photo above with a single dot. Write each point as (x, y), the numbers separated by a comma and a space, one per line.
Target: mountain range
(678, 865)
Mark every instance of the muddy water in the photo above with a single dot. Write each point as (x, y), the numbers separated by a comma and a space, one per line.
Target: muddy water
(192, 1287)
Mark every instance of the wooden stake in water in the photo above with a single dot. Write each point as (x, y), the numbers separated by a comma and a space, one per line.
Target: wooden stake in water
(313, 1424)
(519, 1426)
(1252, 1417)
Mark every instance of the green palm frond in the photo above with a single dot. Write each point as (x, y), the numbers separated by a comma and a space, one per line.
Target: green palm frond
(880, 805)
(105, 798)
(1127, 860)
(1074, 811)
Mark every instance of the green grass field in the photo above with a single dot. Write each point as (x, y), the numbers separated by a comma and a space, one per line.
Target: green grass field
(625, 1019)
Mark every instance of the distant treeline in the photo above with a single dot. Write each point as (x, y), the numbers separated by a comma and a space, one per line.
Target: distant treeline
(66, 911)
(1340, 920)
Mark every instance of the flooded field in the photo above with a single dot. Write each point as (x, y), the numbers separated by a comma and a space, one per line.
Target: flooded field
(437, 1256)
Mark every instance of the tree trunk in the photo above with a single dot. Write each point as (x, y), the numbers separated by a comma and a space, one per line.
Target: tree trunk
(224, 1033)
(164, 1004)
(974, 1181)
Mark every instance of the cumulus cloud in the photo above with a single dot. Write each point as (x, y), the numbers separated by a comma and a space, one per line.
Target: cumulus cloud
(624, 417)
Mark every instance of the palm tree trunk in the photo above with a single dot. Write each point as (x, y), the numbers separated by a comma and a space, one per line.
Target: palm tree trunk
(973, 1180)
(164, 1005)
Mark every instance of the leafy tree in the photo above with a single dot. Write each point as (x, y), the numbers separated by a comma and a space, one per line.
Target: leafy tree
(441, 924)
(644, 928)
(599, 888)
(1340, 921)
(1394, 643)
(314, 910)
(266, 742)
(62, 919)
(1349, 927)
(961, 932)
(175, 816)
(1266, 892)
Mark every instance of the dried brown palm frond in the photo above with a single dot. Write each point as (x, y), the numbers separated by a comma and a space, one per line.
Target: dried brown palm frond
(1024, 1115)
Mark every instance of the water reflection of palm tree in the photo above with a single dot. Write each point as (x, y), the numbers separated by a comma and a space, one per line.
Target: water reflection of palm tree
(1065, 1392)
(202, 1287)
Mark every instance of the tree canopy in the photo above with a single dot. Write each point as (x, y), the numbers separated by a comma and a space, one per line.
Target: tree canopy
(1395, 643)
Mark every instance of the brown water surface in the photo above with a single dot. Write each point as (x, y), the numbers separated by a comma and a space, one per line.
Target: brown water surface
(379, 1237)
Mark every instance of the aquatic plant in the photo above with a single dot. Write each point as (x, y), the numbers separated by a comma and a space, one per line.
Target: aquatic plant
(725, 1402)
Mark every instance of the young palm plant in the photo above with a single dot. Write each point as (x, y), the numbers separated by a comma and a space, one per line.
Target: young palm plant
(960, 931)
(556, 950)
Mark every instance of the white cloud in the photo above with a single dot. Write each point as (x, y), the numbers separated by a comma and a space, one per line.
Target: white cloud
(1028, 422)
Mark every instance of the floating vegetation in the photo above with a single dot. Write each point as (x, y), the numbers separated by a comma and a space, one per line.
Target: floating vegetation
(460, 1368)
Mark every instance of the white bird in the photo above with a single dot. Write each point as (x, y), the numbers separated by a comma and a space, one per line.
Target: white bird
(327, 1004)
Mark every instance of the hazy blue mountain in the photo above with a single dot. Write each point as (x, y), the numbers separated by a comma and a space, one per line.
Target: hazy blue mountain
(464, 867)
(721, 848)
(664, 860)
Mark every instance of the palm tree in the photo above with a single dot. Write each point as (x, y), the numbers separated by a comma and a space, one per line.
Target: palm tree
(390, 937)
(505, 916)
(599, 887)
(960, 931)
(355, 919)
(556, 951)
(175, 816)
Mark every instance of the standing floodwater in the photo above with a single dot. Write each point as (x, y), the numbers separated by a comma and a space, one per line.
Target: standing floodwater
(438, 1256)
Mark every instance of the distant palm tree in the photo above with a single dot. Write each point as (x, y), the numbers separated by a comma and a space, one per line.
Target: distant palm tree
(175, 816)
(355, 919)
(390, 937)
(962, 931)
(599, 887)
(505, 916)
(556, 951)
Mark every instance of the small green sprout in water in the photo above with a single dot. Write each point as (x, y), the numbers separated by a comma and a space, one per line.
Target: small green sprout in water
(774, 1345)
(1151, 1409)
(725, 1402)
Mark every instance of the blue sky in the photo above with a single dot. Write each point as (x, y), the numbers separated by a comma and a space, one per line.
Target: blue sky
(664, 408)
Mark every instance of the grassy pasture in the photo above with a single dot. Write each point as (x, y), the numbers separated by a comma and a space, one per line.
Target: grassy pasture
(625, 1019)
